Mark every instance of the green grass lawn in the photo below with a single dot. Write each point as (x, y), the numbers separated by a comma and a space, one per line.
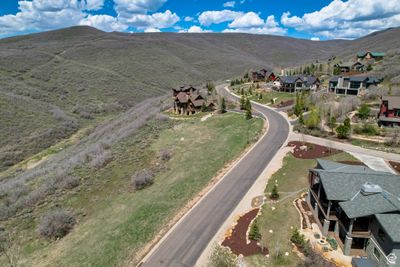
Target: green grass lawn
(291, 179)
(266, 96)
(375, 146)
(114, 221)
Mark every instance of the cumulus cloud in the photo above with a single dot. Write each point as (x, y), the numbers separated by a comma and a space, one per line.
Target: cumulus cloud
(229, 4)
(188, 19)
(104, 22)
(125, 7)
(215, 17)
(252, 23)
(194, 29)
(247, 20)
(314, 39)
(157, 20)
(347, 19)
(151, 29)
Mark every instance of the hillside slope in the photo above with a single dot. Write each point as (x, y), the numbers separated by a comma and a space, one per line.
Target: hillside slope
(67, 78)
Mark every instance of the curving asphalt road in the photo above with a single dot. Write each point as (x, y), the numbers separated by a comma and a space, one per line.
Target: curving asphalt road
(186, 242)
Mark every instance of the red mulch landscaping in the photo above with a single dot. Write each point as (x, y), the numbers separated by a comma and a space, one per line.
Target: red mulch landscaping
(237, 241)
(313, 151)
(395, 165)
(287, 103)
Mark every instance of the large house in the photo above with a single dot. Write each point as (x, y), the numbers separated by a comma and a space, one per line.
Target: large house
(351, 85)
(188, 100)
(370, 55)
(360, 207)
(389, 112)
(296, 83)
(351, 67)
(263, 76)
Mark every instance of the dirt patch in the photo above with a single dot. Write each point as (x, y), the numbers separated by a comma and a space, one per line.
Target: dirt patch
(395, 166)
(304, 150)
(284, 104)
(237, 240)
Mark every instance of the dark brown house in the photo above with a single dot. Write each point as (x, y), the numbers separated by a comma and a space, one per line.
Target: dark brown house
(263, 76)
(188, 100)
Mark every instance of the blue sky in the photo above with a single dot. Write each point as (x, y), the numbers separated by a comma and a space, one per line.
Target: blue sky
(309, 19)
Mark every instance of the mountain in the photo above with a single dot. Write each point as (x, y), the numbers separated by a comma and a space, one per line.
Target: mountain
(54, 83)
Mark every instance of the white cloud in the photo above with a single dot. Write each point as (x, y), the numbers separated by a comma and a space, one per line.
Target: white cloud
(188, 19)
(229, 4)
(157, 20)
(347, 19)
(257, 26)
(194, 29)
(314, 39)
(104, 22)
(125, 7)
(247, 20)
(215, 17)
(152, 30)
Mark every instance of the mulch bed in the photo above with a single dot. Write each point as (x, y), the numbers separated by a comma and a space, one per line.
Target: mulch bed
(307, 209)
(237, 240)
(395, 165)
(358, 163)
(284, 104)
(313, 151)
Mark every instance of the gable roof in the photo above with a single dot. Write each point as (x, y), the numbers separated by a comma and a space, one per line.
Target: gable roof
(374, 54)
(309, 80)
(182, 97)
(290, 78)
(390, 223)
(342, 182)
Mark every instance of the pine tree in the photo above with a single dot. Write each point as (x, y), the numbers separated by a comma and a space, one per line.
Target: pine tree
(242, 103)
(249, 115)
(274, 192)
(223, 106)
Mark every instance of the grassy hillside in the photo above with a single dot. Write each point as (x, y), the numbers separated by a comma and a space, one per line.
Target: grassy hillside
(114, 220)
(88, 74)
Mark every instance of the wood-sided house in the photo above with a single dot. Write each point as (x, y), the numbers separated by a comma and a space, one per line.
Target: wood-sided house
(263, 76)
(296, 83)
(358, 206)
(389, 112)
(351, 67)
(370, 55)
(188, 100)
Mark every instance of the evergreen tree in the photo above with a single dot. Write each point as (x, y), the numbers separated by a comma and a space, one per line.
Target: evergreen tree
(274, 192)
(223, 106)
(249, 115)
(369, 67)
(242, 103)
(332, 123)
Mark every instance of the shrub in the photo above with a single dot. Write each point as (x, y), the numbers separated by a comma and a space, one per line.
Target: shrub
(222, 257)
(56, 224)
(274, 192)
(254, 233)
(165, 155)
(142, 179)
(332, 242)
(367, 129)
(297, 238)
(364, 112)
(344, 130)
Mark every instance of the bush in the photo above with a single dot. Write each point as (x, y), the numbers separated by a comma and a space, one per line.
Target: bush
(364, 112)
(56, 224)
(298, 239)
(165, 155)
(274, 192)
(254, 233)
(222, 257)
(142, 179)
(367, 129)
(332, 242)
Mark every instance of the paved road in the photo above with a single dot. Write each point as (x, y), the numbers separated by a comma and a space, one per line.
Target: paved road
(184, 245)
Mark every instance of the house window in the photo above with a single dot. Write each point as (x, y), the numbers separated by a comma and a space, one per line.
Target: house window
(377, 254)
(381, 234)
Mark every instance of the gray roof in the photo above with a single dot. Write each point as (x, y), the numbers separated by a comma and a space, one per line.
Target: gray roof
(342, 182)
(390, 223)
(289, 78)
(363, 262)
(334, 79)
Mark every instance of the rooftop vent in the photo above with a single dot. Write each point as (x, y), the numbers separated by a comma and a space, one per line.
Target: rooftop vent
(370, 189)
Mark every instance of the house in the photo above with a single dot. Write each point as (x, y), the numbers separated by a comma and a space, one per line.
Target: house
(358, 206)
(389, 112)
(296, 83)
(354, 85)
(263, 76)
(188, 100)
(351, 67)
(370, 55)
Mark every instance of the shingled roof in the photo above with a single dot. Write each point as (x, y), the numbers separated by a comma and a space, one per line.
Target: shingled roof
(343, 183)
(390, 223)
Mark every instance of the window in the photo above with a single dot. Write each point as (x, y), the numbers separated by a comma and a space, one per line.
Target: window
(377, 254)
(381, 234)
